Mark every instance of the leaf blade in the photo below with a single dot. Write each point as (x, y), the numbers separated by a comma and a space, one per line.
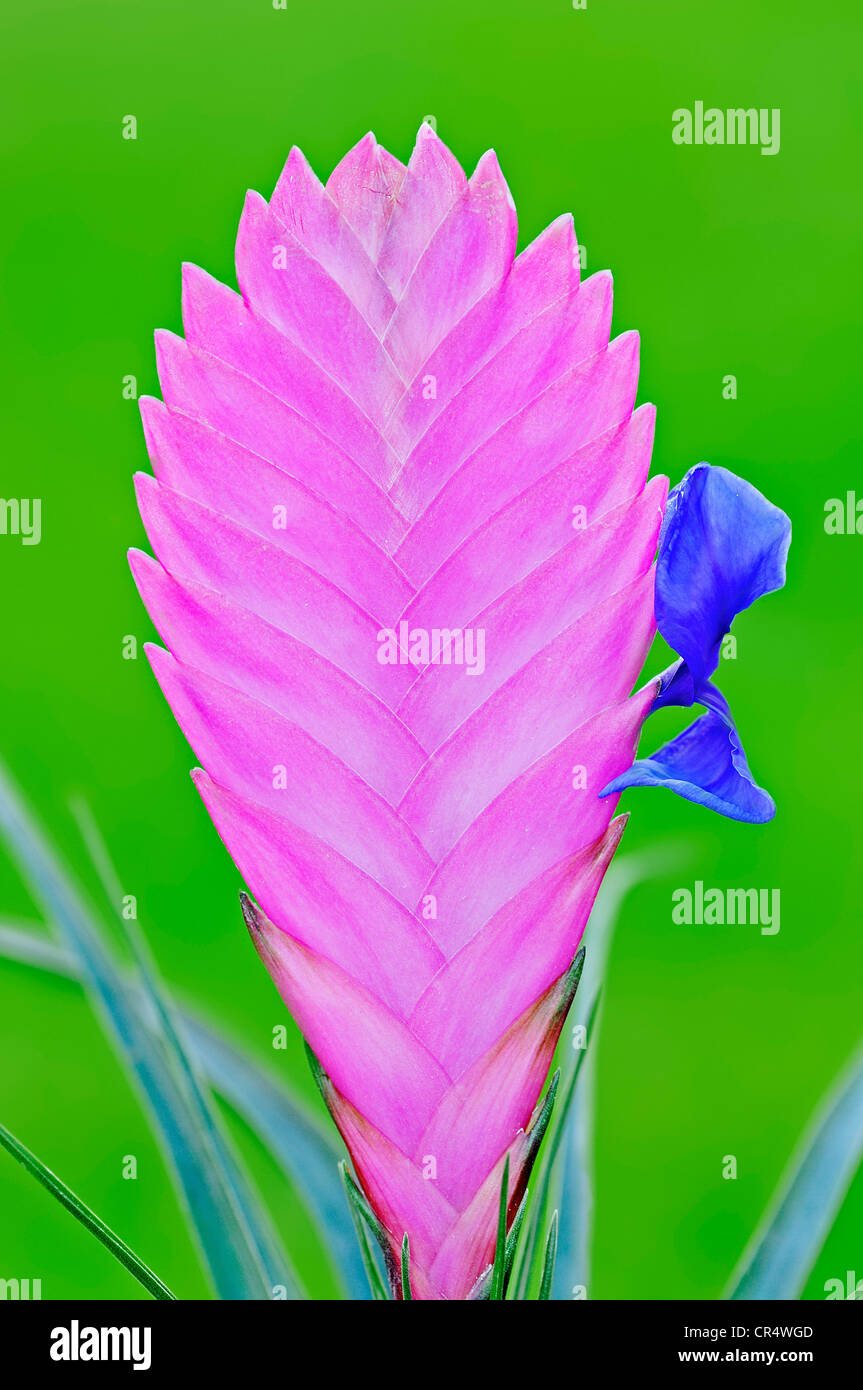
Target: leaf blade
(122, 1252)
(224, 1246)
(364, 1217)
(302, 1148)
(548, 1262)
(778, 1260)
(407, 1296)
(272, 1262)
(497, 1271)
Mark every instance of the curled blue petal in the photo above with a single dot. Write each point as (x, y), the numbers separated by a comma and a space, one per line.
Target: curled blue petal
(722, 546)
(705, 763)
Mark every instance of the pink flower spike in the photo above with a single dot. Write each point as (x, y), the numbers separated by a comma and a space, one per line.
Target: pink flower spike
(404, 548)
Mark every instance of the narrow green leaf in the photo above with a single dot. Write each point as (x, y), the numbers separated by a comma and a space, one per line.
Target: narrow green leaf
(88, 1218)
(307, 1154)
(572, 1152)
(319, 1076)
(26, 945)
(268, 1252)
(513, 1239)
(548, 1262)
(365, 1217)
(303, 1149)
(565, 1179)
(497, 1270)
(230, 1255)
(407, 1296)
(528, 1271)
(779, 1259)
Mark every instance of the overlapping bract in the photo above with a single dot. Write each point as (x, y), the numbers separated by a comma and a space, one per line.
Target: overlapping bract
(398, 419)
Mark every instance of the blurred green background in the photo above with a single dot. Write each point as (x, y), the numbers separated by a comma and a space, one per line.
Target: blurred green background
(716, 1040)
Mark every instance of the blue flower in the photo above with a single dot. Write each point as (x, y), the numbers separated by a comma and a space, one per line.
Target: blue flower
(722, 546)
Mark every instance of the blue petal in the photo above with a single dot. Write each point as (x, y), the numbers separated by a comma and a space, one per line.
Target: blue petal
(705, 763)
(722, 546)
(676, 687)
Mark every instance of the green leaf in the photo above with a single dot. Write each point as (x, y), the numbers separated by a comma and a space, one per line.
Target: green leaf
(67, 1198)
(266, 1247)
(559, 1130)
(306, 1153)
(229, 1251)
(780, 1257)
(497, 1269)
(548, 1262)
(365, 1217)
(302, 1148)
(571, 1151)
(513, 1239)
(565, 1179)
(407, 1296)
(23, 943)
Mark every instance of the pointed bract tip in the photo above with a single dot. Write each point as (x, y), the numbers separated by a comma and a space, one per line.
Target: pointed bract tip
(251, 916)
(145, 486)
(155, 653)
(150, 407)
(139, 561)
(488, 166)
(168, 345)
(629, 341)
(488, 171)
(258, 924)
(426, 133)
(255, 206)
(295, 167)
(603, 278)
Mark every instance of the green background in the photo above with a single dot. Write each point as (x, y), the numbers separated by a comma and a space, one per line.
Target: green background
(716, 1040)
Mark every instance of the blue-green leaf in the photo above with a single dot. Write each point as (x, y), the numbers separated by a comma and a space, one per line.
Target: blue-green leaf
(548, 1263)
(565, 1179)
(779, 1259)
(307, 1155)
(300, 1145)
(365, 1219)
(230, 1253)
(87, 1217)
(267, 1248)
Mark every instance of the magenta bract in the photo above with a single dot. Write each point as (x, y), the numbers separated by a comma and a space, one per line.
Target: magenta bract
(404, 542)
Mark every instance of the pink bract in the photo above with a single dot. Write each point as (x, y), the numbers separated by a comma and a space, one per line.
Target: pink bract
(399, 421)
